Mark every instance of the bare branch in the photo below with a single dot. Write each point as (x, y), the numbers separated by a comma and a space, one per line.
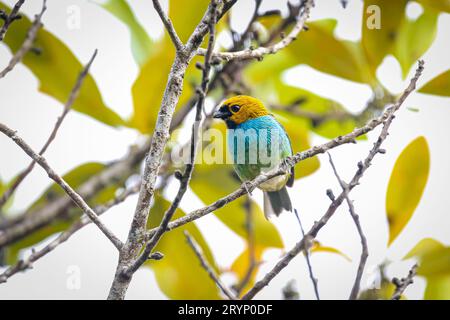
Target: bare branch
(262, 51)
(27, 263)
(402, 284)
(72, 97)
(28, 43)
(62, 183)
(169, 26)
(389, 116)
(365, 250)
(308, 260)
(205, 264)
(8, 19)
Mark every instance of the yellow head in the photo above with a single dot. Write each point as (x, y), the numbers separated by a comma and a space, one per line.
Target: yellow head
(239, 109)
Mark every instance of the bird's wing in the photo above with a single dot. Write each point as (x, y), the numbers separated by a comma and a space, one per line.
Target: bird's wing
(290, 181)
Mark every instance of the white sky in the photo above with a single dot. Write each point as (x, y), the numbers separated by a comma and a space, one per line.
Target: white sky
(82, 139)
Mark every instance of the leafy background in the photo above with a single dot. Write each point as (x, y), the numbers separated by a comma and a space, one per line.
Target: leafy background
(331, 73)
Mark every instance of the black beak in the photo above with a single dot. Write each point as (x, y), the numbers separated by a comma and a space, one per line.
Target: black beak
(222, 113)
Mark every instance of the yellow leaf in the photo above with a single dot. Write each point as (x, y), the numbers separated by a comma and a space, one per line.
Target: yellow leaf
(318, 247)
(179, 274)
(320, 49)
(424, 247)
(438, 288)
(57, 69)
(406, 185)
(378, 42)
(241, 265)
(439, 86)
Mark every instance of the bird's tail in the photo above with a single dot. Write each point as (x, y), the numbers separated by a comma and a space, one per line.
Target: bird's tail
(276, 201)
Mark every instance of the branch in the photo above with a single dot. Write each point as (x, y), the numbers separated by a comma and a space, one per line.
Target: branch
(62, 183)
(133, 245)
(365, 251)
(205, 264)
(388, 115)
(290, 161)
(179, 46)
(27, 44)
(308, 245)
(186, 177)
(72, 97)
(402, 284)
(8, 19)
(262, 51)
(25, 264)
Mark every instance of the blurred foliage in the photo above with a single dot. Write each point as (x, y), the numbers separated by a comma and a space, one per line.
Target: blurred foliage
(75, 178)
(318, 247)
(141, 44)
(179, 274)
(439, 86)
(406, 185)
(434, 266)
(241, 267)
(57, 69)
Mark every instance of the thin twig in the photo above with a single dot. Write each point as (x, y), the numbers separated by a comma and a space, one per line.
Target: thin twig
(208, 268)
(262, 51)
(169, 26)
(402, 284)
(8, 19)
(62, 183)
(68, 105)
(28, 43)
(389, 115)
(365, 250)
(308, 258)
(25, 264)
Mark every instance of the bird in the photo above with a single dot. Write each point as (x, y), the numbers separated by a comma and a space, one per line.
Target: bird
(253, 135)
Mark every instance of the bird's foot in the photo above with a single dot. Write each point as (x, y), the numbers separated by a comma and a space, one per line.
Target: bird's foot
(248, 185)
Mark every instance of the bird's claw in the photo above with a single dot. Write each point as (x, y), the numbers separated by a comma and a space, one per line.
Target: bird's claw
(248, 185)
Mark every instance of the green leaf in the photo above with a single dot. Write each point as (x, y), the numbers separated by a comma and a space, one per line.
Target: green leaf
(435, 263)
(377, 43)
(3, 187)
(439, 86)
(415, 38)
(179, 274)
(441, 5)
(57, 69)
(74, 178)
(320, 49)
(406, 185)
(141, 44)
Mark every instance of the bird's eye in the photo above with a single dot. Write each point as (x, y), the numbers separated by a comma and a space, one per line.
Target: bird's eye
(235, 108)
